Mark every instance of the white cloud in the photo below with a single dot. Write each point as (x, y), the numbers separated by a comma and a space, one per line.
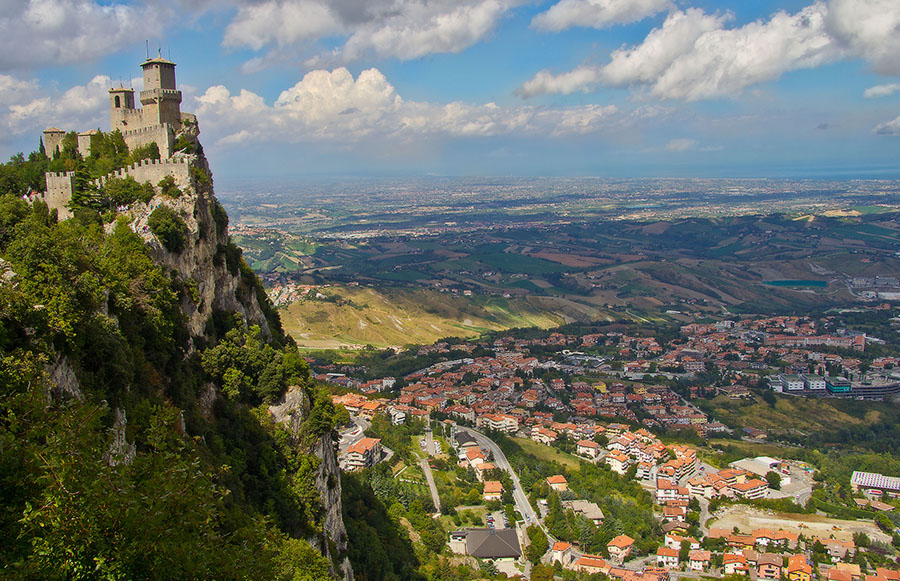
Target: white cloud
(332, 106)
(869, 29)
(596, 13)
(889, 127)
(35, 33)
(680, 145)
(282, 23)
(545, 82)
(694, 56)
(881, 90)
(32, 109)
(403, 29)
(676, 38)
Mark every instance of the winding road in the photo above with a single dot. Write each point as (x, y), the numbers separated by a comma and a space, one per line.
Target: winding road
(501, 462)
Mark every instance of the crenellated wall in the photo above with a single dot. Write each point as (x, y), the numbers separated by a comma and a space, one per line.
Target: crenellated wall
(162, 135)
(59, 192)
(153, 170)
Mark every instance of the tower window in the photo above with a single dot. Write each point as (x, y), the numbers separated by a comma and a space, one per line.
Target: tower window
(118, 102)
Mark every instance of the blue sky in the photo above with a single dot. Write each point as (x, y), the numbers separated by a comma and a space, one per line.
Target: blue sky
(294, 88)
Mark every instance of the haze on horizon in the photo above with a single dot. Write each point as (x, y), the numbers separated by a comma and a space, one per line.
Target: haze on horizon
(289, 89)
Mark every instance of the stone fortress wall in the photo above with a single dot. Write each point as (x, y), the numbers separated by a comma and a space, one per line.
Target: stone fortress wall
(157, 121)
(60, 185)
(162, 135)
(59, 192)
(154, 170)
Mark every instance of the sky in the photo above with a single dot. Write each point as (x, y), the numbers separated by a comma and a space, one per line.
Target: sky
(293, 89)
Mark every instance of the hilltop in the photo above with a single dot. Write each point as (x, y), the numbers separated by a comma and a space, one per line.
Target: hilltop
(156, 421)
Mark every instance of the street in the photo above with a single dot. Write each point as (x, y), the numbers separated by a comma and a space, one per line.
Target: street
(429, 477)
(501, 462)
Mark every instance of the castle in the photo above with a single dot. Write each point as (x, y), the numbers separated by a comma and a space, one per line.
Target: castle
(159, 120)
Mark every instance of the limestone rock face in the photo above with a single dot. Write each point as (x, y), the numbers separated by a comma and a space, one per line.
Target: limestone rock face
(291, 411)
(328, 482)
(202, 264)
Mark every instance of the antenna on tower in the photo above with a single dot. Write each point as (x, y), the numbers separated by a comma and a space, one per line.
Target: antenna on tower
(148, 48)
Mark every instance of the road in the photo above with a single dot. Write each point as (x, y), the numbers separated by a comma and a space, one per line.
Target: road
(350, 436)
(429, 442)
(501, 462)
(426, 468)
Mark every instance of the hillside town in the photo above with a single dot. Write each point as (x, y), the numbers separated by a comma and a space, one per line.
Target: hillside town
(609, 408)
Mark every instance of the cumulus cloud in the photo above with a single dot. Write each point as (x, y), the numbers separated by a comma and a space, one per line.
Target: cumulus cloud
(694, 55)
(881, 90)
(35, 33)
(889, 127)
(32, 109)
(403, 29)
(596, 13)
(333, 106)
(869, 29)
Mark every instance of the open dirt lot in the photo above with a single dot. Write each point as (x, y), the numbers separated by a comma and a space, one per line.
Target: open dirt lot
(747, 518)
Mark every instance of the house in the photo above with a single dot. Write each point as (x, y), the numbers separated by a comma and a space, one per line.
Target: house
(666, 557)
(493, 490)
(852, 569)
(558, 482)
(735, 564)
(617, 461)
(481, 469)
(475, 456)
(698, 560)
(619, 548)
(799, 568)
(493, 544)
(464, 440)
(768, 566)
(562, 552)
(363, 454)
(751, 489)
(839, 550)
(586, 509)
(673, 541)
(591, 564)
(835, 574)
(674, 513)
(587, 448)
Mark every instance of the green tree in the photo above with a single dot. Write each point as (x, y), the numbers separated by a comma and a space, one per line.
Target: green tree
(537, 544)
(168, 188)
(169, 227)
(773, 479)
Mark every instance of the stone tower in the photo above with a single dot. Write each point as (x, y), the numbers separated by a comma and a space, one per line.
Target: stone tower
(53, 141)
(160, 99)
(122, 114)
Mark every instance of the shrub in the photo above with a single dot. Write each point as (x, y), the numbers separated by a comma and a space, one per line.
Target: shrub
(168, 188)
(201, 176)
(169, 228)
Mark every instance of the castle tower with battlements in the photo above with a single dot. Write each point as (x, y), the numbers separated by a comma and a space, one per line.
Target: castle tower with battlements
(159, 120)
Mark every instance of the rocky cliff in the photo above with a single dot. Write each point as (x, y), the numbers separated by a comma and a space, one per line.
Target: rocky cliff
(291, 411)
(211, 269)
(208, 265)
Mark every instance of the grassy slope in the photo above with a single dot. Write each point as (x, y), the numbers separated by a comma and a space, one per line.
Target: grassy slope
(791, 414)
(401, 317)
(542, 452)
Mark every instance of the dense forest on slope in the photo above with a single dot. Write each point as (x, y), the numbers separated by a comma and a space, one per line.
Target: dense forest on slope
(129, 448)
